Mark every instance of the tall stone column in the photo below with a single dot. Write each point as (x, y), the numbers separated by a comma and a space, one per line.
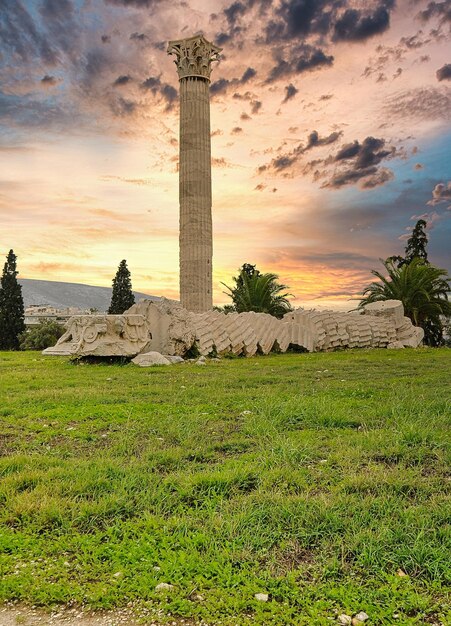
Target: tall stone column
(193, 60)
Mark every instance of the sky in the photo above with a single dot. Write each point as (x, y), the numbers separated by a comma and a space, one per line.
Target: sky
(331, 136)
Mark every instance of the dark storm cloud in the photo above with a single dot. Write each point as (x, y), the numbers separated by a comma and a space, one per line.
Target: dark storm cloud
(290, 92)
(234, 12)
(234, 15)
(301, 18)
(286, 161)
(302, 58)
(444, 73)
(295, 18)
(315, 140)
(356, 162)
(355, 26)
(368, 153)
(248, 74)
(122, 80)
(223, 84)
(167, 92)
(359, 164)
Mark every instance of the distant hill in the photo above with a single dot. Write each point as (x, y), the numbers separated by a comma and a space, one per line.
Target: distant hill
(62, 295)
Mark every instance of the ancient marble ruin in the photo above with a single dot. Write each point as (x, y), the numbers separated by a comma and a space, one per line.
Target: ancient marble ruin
(193, 58)
(167, 328)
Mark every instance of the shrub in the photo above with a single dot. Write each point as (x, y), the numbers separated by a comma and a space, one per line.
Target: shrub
(41, 336)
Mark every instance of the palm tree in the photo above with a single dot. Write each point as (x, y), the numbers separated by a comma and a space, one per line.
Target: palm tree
(258, 292)
(422, 288)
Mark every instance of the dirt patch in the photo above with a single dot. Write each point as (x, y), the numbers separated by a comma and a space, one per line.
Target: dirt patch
(20, 615)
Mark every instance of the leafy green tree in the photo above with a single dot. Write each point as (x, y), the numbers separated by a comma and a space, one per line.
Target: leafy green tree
(422, 288)
(122, 297)
(41, 336)
(11, 305)
(258, 292)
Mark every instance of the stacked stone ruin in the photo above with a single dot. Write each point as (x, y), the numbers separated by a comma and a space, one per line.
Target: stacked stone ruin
(166, 327)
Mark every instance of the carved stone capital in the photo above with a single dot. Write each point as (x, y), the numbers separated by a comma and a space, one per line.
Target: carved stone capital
(194, 56)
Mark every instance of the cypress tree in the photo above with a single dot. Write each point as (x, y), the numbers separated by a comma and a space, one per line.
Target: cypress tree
(417, 243)
(12, 312)
(122, 297)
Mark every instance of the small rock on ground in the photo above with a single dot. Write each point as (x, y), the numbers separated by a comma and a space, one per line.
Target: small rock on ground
(262, 597)
(164, 587)
(149, 359)
(362, 616)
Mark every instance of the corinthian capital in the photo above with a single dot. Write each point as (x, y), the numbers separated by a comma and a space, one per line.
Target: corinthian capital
(194, 56)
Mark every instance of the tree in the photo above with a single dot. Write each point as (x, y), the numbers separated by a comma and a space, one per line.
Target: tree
(416, 244)
(258, 292)
(11, 305)
(41, 336)
(422, 288)
(122, 297)
(415, 247)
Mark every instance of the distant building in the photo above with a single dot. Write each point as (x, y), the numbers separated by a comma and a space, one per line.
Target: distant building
(36, 313)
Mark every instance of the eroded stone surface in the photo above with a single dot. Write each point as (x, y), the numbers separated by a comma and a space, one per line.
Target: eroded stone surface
(165, 327)
(102, 335)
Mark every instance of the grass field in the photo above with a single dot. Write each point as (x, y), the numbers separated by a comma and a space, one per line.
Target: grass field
(313, 478)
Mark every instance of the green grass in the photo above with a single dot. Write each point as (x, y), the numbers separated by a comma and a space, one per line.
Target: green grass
(311, 477)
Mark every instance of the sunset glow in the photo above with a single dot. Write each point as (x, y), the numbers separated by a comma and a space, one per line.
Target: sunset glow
(330, 137)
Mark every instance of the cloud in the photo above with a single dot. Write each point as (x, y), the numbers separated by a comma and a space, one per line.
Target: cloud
(20, 35)
(315, 140)
(295, 19)
(444, 73)
(354, 163)
(357, 163)
(122, 80)
(286, 161)
(300, 59)
(353, 25)
(441, 193)
(123, 107)
(49, 81)
(442, 10)
(222, 85)
(220, 162)
(423, 103)
(138, 37)
(137, 4)
(290, 92)
(33, 113)
(167, 92)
